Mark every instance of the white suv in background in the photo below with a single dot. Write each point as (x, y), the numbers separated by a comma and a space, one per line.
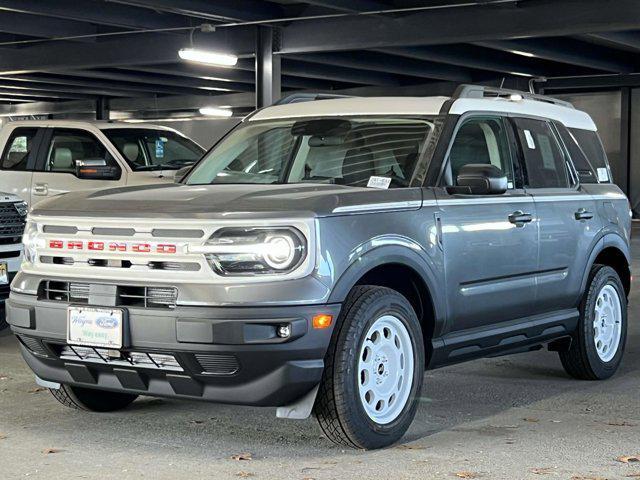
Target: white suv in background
(45, 158)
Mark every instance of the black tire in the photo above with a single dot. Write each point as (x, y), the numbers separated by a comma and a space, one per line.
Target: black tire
(582, 361)
(338, 407)
(92, 400)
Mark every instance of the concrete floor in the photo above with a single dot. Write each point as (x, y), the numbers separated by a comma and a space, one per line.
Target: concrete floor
(516, 417)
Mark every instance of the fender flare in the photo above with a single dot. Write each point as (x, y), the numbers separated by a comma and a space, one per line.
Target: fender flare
(398, 251)
(606, 241)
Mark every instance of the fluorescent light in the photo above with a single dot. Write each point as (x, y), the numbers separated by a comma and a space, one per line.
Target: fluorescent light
(204, 56)
(522, 53)
(216, 112)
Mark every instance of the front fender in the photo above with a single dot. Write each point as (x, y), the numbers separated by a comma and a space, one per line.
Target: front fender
(391, 250)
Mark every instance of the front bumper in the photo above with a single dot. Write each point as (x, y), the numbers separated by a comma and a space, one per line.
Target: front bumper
(225, 354)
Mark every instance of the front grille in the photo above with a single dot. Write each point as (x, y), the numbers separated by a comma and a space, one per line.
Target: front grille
(10, 254)
(11, 223)
(5, 288)
(34, 345)
(154, 361)
(126, 296)
(218, 364)
(111, 263)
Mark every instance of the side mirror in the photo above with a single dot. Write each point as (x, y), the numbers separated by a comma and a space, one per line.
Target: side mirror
(481, 179)
(180, 174)
(96, 169)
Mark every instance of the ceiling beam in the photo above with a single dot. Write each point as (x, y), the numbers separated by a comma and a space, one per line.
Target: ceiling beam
(147, 49)
(625, 40)
(96, 12)
(37, 26)
(38, 94)
(218, 10)
(351, 5)
(563, 50)
(461, 25)
(591, 82)
(388, 64)
(339, 74)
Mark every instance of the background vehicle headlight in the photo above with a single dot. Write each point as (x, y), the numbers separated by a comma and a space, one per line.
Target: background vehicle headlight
(30, 241)
(253, 251)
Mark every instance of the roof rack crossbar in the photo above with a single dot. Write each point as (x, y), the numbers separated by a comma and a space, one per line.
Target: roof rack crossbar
(308, 97)
(481, 91)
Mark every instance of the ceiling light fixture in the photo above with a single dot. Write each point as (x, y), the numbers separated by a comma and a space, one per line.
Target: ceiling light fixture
(522, 53)
(216, 112)
(208, 57)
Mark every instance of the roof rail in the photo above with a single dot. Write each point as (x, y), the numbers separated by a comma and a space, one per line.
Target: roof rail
(480, 91)
(308, 97)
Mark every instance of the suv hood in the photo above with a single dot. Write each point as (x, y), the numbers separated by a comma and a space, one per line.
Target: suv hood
(221, 201)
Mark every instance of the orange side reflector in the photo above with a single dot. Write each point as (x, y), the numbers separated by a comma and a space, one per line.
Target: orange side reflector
(322, 321)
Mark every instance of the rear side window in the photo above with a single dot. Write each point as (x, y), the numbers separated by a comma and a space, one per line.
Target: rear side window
(593, 149)
(586, 171)
(16, 153)
(543, 158)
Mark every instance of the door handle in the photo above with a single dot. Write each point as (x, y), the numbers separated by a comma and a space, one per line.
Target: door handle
(583, 214)
(40, 189)
(519, 218)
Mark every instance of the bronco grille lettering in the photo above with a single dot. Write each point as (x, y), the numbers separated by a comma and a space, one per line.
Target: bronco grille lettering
(162, 248)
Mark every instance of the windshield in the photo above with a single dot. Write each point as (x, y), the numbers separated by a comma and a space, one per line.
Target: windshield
(147, 149)
(343, 151)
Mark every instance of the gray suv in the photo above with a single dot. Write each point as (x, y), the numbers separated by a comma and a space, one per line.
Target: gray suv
(325, 253)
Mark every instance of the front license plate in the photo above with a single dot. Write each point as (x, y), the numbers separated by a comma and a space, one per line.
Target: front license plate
(95, 327)
(4, 278)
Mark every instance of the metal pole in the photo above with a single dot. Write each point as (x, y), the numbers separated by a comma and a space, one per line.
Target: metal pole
(268, 72)
(102, 108)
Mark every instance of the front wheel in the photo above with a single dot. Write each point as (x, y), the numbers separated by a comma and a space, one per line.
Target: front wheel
(92, 400)
(373, 371)
(598, 344)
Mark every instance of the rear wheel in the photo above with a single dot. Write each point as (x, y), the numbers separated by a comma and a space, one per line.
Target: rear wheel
(92, 400)
(598, 344)
(373, 371)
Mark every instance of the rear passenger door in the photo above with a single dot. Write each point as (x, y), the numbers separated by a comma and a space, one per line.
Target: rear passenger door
(489, 241)
(566, 214)
(56, 166)
(18, 161)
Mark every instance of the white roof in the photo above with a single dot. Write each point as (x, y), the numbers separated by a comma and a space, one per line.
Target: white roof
(102, 125)
(570, 117)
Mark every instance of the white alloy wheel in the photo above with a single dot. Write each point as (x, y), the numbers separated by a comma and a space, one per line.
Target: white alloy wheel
(607, 323)
(385, 369)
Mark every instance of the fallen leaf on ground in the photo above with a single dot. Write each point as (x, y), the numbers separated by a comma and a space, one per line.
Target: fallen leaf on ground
(406, 446)
(196, 422)
(242, 456)
(622, 424)
(4, 377)
(629, 458)
(244, 474)
(467, 475)
(36, 390)
(48, 451)
(633, 475)
(531, 420)
(2, 436)
(542, 471)
(587, 478)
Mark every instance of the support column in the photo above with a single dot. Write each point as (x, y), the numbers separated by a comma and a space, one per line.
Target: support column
(102, 108)
(268, 88)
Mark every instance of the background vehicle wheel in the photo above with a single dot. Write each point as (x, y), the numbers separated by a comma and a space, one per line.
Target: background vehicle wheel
(598, 344)
(373, 370)
(92, 400)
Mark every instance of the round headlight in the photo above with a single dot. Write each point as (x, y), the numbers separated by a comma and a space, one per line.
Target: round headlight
(280, 251)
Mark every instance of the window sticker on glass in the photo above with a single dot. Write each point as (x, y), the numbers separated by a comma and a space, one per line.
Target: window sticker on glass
(159, 148)
(603, 174)
(530, 142)
(379, 182)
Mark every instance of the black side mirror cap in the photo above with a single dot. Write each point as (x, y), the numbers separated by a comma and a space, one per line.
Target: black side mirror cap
(96, 169)
(481, 179)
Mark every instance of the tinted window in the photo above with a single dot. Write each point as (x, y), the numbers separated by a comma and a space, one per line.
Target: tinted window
(585, 169)
(591, 145)
(16, 153)
(327, 150)
(147, 149)
(481, 141)
(67, 146)
(543, 158)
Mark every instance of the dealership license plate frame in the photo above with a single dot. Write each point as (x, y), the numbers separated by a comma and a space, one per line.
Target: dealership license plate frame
(114, 337)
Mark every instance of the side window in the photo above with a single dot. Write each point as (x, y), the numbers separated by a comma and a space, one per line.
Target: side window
(67, 146)
(481, 140)
(592, 147)
(585, 169)
(543, 158)
(16, 153)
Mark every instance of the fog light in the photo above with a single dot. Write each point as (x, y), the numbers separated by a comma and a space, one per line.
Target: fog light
(284, 331)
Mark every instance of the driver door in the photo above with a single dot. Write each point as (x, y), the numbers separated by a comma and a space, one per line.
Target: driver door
(489, 241)
(55, 171)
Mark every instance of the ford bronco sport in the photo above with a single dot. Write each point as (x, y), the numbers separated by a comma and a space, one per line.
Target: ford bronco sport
(324, 254)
